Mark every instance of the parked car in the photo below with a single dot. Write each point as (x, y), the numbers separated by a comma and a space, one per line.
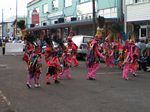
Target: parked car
(81, 41)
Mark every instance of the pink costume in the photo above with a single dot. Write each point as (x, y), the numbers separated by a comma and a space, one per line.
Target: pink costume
(32, 60)
(126, 65)
(93, 58)
(66, 65)
(109, 60)
(73, 47)
(52, 63)
(134, 61)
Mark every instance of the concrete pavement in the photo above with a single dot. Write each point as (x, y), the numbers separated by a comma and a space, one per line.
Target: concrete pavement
(109, 93)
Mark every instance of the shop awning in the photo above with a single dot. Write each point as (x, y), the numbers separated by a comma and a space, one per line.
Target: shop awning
(70, 24)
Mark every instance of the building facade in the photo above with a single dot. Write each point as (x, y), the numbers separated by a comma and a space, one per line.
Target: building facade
(8, 27)
(138, 17)
(4, 29)
(57, 11)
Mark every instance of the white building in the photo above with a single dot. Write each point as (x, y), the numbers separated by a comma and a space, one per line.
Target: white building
(10, 27)
(137, 16)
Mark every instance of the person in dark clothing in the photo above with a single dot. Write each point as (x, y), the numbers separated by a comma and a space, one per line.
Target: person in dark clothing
(3, 47)
(0, 42)
(143, 61)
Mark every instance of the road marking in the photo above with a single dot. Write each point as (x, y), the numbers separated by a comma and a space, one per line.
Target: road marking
(3, 66)
(4, 98)
(109, 73)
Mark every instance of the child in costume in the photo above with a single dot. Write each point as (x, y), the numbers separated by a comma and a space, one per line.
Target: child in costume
(52, 62)
(34, 70)
(32, 58)
(73, 47)
(38, 67)
(27, 55)
(66, 61)
(93, 56)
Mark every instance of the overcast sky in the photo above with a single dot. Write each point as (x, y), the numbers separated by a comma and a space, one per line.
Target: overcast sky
(10, 8)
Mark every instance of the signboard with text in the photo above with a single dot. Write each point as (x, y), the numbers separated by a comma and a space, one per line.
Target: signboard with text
(35, 17)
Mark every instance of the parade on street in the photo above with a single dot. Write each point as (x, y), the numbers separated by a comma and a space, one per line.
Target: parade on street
(67, 58)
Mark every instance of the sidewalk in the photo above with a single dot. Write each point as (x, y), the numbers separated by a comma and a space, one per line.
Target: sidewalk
(0, 51)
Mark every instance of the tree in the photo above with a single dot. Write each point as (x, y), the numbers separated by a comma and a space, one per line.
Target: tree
(117, 28)
(21, 24)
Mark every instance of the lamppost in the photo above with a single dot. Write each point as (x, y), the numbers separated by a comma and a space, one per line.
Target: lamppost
(94, 17)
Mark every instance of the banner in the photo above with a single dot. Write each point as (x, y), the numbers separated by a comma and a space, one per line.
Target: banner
(14, 48)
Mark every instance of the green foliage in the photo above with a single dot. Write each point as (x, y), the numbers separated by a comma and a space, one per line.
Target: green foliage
(21, 24)
(117, 28)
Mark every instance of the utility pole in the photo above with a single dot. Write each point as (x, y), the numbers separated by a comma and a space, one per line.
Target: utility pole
(94, 18)
(2, 24)
(125, 16)
(16, 17)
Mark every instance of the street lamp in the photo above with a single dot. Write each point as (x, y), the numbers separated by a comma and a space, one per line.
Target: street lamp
(94, 17)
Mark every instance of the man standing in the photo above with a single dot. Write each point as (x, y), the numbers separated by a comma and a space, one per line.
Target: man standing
(142, 46)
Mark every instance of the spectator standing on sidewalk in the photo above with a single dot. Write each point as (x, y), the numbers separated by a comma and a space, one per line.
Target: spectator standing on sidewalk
(0, 42)
(148, 53)
(3, 47)
(142, 46)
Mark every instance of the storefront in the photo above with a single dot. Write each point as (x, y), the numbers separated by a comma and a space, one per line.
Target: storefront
(138, 19)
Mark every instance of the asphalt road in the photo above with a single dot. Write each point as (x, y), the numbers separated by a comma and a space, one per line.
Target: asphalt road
(109, 93)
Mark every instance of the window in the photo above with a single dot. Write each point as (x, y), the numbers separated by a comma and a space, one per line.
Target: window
(137, 1)
(37, 9)
(145, 0)
(68, 3)
(101, 12)
(45, 8)
(143, 32)
(107, 13)
(140, 1)
(90, 16)
(86, 39)
(113, 12)
(81, 1)
(55, 4)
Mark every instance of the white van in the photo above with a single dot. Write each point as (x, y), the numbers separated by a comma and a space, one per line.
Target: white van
(81, 41)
